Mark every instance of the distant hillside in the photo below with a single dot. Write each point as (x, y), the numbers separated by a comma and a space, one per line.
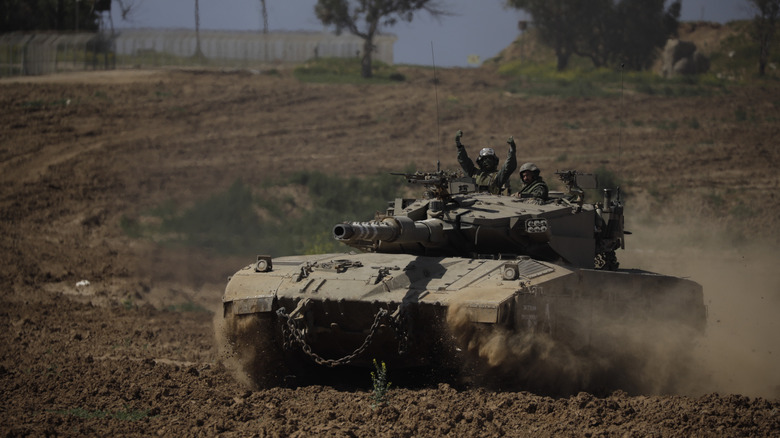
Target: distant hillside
(732, 51)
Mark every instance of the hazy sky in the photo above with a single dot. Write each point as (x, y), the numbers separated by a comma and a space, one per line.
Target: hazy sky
(480, 28)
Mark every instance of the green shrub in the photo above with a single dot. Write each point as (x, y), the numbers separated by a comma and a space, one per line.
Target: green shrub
(230, 222)
(345, 71)
(380, 385)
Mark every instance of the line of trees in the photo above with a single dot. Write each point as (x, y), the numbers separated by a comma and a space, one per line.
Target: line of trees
(764, 27)
(605, 31)
(608, 32)
(60, 15)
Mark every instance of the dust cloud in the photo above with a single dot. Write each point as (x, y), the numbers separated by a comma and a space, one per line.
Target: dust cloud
(247, 349)
(226, 350)
(507, 360)
(738, 353)
(635, 356)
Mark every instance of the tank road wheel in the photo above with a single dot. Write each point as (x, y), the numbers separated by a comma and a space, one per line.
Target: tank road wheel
(248, 347)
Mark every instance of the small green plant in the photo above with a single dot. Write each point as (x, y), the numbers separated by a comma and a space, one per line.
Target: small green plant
(33, 104)
(345, 71)
(667, 125)
(714, 200)
(128, 303)
(399, 77)
(380, 384)
(740, 114)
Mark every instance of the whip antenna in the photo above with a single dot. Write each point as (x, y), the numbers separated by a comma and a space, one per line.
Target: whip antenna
(622, 110)
(436, 93)
(620, 127)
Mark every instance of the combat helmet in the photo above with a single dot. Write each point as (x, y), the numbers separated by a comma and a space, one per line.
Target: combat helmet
(487, 159)
(531, 167)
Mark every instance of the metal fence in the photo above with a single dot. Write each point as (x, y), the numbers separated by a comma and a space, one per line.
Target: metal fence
(44, 53)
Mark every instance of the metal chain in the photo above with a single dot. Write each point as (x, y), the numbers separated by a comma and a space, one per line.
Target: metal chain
(398, 325)
(296, 335)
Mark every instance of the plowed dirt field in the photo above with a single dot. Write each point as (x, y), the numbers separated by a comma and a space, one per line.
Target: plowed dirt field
(122, 356)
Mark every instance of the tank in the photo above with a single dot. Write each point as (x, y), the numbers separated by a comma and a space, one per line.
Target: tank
(509, 291)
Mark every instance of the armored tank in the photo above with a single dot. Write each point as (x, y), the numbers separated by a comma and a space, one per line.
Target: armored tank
(514, 290)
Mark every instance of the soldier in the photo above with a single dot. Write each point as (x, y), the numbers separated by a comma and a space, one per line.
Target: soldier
(534, 186)
(486, 174)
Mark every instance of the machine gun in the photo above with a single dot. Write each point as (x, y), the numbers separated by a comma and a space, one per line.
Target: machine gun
(441, 184)
(576, 183)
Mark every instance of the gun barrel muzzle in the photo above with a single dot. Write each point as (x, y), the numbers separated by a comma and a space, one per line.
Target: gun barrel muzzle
(385, 230)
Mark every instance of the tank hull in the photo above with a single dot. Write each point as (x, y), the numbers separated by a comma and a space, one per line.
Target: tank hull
(350, 309)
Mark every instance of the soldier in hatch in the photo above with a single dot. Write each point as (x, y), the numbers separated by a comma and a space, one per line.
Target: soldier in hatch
(534, 186)
(486, 173)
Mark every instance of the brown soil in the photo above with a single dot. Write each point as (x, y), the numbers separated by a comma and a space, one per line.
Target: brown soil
(79, 152)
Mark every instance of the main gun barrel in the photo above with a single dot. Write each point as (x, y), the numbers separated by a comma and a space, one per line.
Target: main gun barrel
(398, 229)
(383, 230)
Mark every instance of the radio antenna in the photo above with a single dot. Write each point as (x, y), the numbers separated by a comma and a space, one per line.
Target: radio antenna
(436, 93)
(620, 126)
(622, 110)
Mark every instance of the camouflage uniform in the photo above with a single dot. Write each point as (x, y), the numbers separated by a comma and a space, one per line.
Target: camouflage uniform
(486, 176)
(537, 188)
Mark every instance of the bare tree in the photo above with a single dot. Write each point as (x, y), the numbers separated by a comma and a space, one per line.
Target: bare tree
(265, 16)
(198, 51)
(126, 8)
(764, 25)
(364, 18)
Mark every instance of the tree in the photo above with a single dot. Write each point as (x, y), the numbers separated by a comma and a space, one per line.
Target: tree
(645, 26)
(60, 15)
(34, 15)
(764, 25)
(364, 18)
(559, 23)
(264, 14)
(603, 31)
(126, 7)
(198, 52)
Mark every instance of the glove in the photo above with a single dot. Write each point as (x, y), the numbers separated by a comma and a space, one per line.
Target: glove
(458, 135)
(511, 141)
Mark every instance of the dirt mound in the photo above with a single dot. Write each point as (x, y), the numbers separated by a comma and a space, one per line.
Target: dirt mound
(132, 351)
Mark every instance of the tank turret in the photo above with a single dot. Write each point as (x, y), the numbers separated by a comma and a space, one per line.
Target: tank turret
(454, 220)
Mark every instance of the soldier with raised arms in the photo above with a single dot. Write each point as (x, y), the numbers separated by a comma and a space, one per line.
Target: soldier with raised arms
(486, 173)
